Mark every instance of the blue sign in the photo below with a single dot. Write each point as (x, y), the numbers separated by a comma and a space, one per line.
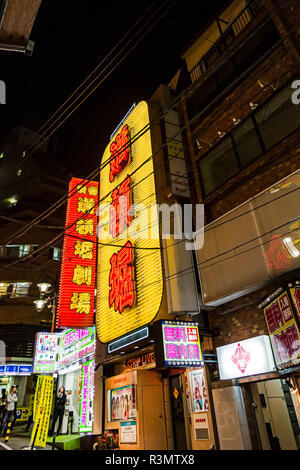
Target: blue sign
(16, 369)
(11, 369)
(25, 370)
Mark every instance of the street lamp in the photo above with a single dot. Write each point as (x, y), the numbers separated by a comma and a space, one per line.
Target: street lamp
(40, 304)
(44, 287)
(45, 290)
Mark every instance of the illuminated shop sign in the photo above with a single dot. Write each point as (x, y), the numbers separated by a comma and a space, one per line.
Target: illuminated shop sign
(130, 282)
(177, 344)
(45, 355)
(57, 351)
(87, 397)
(249, 357)
(16, 369)
(295, 294)
(77, 283)
(146, 361)
(75, 345)
(283, 331)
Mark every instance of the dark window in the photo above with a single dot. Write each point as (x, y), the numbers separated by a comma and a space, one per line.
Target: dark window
(246, 142)
(278, 117)
(266, 127)
(219, 165)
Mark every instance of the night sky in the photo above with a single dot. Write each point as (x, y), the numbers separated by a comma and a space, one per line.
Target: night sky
(71, 38)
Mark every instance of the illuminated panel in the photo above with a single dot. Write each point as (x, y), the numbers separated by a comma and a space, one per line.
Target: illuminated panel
(144, 283)
(87, 397)
(77, 282)
(177, 344)
(283, 331)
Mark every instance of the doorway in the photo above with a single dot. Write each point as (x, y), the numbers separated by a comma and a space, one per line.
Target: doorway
(277, 424)
(178, 416)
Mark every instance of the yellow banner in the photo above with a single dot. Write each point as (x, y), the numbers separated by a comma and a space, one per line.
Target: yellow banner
(37, 394)
(43, 411)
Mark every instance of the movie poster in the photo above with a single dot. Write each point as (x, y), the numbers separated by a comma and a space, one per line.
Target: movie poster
(123, 403)
(198, 390)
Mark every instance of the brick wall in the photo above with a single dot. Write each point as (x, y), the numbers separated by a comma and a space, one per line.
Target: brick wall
(280, 161)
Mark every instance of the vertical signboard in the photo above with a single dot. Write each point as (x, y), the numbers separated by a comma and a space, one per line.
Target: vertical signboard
(43, 411)
(130, 282)
(295, 293)
(87, 397)
(283, 331)
(77, 282)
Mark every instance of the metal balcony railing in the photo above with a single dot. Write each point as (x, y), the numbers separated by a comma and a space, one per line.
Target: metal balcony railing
(227, 38)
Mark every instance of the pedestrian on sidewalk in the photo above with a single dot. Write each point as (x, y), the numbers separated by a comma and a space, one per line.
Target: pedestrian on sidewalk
(2, 404)
(59, 409)
(11, 400)
(15, 412)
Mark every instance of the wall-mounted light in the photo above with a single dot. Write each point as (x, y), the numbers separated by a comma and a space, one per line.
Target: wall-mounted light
(221, 134)
(236, 121)
(40, 304)
(44, 287)
(253, 105)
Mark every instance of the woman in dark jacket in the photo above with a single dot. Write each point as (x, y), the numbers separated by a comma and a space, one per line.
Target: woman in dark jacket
(59, 409)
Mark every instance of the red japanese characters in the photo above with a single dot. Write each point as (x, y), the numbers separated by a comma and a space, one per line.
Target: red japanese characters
(120, 153)
(77, 284)
(121, 279)
(119, 214)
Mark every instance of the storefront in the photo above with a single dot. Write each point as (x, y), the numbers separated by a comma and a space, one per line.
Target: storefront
(261, 399)
(159, 399)
(19, 374)
(70, 357)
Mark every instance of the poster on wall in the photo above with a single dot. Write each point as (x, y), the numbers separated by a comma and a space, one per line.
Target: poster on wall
(198, 390)
(123, 406)
(128, 433)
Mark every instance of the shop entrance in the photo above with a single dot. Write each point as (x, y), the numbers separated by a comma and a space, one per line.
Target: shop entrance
(277, 423)
(178, 416)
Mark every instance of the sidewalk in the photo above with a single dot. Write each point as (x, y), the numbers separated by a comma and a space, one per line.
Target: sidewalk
(19, 439)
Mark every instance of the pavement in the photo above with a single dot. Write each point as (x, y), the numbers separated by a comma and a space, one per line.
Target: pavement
(19, 439)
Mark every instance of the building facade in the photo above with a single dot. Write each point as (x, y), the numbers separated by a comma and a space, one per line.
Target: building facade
(241, 140)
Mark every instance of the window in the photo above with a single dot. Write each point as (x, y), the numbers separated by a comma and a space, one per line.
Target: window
(4, 288)
(20, 289)
(56, 254)
(246, 142)
(219, 165)
(266, 127)
(14, 289)
(16, 251)
(278, 117)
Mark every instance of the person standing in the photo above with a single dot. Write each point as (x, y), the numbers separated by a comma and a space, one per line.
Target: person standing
(11, 400)
(15, 412)
(2, 403)
(59, 409)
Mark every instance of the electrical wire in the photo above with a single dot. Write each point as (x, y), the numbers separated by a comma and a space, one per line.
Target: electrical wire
(93, 174)
(268, 14)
